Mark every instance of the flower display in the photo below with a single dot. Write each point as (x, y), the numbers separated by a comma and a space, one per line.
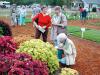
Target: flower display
(23, 57)
(16, 71)
(41, 51)
(5, 62)
(22, 64)
(13, 63)
(68, 71)
(7, 45)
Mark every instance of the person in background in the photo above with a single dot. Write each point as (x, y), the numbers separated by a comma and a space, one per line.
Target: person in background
(87, 10)
(18, 14)
(66, 50)
(59, 24)
(44, 21)
(49, 11)
(13, 15)
(22, 15)
(84, 16)
(81, 9)
(35, 10)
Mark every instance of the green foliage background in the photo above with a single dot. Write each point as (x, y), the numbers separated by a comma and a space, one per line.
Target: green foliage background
(46, 2)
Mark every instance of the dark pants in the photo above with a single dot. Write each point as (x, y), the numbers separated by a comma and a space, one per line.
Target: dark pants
(44, 35)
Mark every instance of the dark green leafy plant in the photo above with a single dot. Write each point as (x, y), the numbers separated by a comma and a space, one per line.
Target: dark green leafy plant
(5, 29)
(1, 31)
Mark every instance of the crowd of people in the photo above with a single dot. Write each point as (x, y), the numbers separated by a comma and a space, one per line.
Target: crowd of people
(58, 25)
(18, 15)
(43, 23)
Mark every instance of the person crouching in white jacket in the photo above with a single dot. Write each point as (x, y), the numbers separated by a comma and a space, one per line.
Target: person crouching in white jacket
(66, 50)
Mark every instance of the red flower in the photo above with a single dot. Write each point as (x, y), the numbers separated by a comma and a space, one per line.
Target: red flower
(27, 72)
(7, 45)
(2, 66)
(29, 65)
(32, 67)
(18, 64)
(39, 68)
(23, 57)
(5, 63)
(16, 71)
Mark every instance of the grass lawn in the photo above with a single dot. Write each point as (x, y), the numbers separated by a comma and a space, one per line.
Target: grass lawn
(28, 20)
(89, 34)
(94, 24)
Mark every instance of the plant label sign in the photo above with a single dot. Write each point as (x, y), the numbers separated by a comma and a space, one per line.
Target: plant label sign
(83, 30)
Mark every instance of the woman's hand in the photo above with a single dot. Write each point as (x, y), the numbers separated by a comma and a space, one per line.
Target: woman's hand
(50, 27)
(44, 27)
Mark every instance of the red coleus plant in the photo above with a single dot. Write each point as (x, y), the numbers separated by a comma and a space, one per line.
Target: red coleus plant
(40, 68)
(18, 63)
(5, 63)
(7, 45)
(31, 67)
(23, 57)
(16, 71)
(21, 64)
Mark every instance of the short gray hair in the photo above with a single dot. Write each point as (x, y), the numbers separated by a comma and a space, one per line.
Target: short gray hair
(57, 8)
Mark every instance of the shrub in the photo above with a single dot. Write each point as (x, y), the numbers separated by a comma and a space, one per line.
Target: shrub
(5, 29)
(41, 51)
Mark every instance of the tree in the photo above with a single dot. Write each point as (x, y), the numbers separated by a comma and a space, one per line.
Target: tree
(68, 2)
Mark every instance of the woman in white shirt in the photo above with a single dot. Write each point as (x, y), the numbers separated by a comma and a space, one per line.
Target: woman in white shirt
(59, 24)
(66, 50)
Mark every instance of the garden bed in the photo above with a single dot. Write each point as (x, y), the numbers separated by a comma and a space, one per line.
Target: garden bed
(88, 52)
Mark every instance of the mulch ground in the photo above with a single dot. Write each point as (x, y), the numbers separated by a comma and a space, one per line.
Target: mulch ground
(88, 52)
